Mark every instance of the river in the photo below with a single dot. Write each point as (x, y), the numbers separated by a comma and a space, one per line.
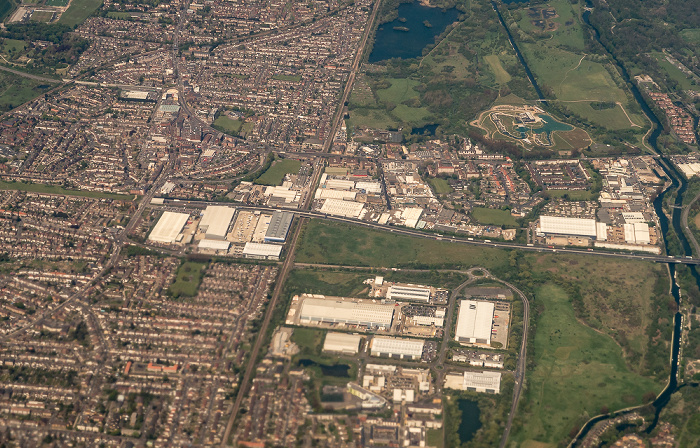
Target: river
(678, 183)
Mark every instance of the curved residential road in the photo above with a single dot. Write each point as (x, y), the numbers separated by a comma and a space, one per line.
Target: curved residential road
(686, 229)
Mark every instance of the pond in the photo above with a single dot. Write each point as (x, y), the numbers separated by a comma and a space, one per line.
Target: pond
(470, 422)
(549, 125)
(414, 29)
(428, 129)
(337, 370)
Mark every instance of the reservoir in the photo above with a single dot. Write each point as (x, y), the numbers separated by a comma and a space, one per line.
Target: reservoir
(470, 422)
(414, 29)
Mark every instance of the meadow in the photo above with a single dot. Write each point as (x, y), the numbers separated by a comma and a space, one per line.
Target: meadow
(78, 11)
(493, 216)
(275, 174)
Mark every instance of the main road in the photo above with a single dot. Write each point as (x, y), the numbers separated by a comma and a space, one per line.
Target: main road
(180, 204)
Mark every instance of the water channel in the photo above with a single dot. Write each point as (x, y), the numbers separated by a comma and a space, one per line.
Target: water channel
(678, 183)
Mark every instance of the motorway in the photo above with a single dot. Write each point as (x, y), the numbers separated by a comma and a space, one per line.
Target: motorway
(183, 205)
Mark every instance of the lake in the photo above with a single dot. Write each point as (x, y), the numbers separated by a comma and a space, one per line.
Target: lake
(337, 370)
(471, 422)
(414, 29)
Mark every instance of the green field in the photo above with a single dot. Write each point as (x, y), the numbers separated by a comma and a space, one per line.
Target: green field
(275, 175)
(228, 125)
(577, 372)
(289, 78)
(416, 116)
(42, 16)
(440, 185)
(576, 195)
(569, 32)
(53, 189)
(684, 82)
(13, 45)
(502, 76)
(56, 2)
(6, 7)
(691, 35)
(189, 276)
(492, 216)
(371, 118)
(78, 11)
(400, 91)
(119, 15)
(308, 339)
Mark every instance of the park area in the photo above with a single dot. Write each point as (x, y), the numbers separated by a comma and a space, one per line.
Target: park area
(189, 276)
(275, 174)
(78, 11)
(493, 217)
(55, 189)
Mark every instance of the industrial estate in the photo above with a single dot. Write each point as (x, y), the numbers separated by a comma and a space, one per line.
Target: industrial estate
(349, 223)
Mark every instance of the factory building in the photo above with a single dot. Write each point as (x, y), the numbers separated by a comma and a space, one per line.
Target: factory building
(279, 227)
(411, 293)
(214, 245)
(338, 207)
(397, 348)
(347, 344)
(557, 225)
(331, 310)
(259, 251)
(168, 227)
(485, 382)
(215, 221)
(474, 322)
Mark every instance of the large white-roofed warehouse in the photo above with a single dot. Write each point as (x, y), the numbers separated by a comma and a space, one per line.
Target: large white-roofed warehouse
(474, 322)
(168, 227)
(279, 227)
(333, 310)
(215, 221)
(397, 347)
(342, 342)
(580, 227)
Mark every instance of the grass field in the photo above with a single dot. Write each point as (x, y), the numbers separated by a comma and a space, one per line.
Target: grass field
(275, 175)
(576, 195)
(53, 189)
(289, 78)
(6, 7)
(372, 118)
(308, 339)
(492, 216)
(674, 72)
(227, 125)
(691, 35)
(577, 372)
(417, 116)
(56, 2)
(187, 280)
(118, 15)
(78, 11)
(13, 45)
(42, 16)
(502, 76)
(400, 91)
(566, 35)
(440, 185)
(434, 437)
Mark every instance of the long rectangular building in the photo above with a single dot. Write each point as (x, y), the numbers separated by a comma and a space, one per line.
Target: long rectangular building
(397, 347)
(279, 227)
(557, 225)
(334, 310)
(342, 342)
(168, 227)
(485, 382)
(474, 322)
(412, 293)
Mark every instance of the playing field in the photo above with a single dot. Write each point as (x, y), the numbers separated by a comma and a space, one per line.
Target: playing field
(78, 11)
(228, 125)
(440, 185)
(187, 280)
(492, 216)
(400, 91)
(502, 76)
(275, 175)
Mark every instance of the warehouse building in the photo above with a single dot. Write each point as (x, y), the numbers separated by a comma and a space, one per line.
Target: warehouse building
(168, 227)
(259, 251)
(279, 227)
(347, 209)
(397, 348)
(474, 322)
(557, 225)
(213, 245)
(485, 382)
(331, 310)
(347, 344)
(411, 293)
(215, 221)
